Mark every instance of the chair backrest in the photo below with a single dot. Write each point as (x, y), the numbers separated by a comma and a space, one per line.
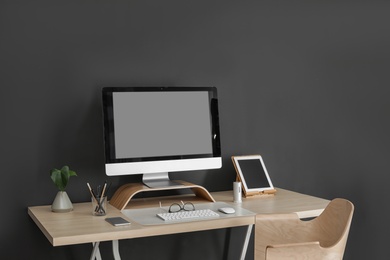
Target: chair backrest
(333, 225)
(284, 236)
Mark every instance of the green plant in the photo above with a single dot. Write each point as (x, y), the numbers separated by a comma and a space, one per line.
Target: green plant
(61, 177)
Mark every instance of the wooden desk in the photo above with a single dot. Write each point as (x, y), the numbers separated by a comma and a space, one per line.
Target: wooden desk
(80, 226)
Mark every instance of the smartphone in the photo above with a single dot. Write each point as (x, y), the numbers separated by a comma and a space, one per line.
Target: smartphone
(118, 221)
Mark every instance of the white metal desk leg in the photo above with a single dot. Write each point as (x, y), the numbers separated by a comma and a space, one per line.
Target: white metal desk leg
(96, 252)
(115, 249)
(246, 242)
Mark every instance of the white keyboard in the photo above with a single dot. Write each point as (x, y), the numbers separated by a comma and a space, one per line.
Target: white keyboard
(188, 215)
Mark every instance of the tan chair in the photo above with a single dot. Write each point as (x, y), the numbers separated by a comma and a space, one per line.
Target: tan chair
(285, 236)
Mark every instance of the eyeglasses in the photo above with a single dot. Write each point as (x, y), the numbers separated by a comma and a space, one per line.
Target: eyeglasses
(176, 207)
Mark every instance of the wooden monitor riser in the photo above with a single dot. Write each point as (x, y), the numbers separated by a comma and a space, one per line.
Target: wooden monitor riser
(126, 192)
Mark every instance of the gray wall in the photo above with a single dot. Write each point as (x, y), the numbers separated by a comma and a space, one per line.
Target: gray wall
(304, 83)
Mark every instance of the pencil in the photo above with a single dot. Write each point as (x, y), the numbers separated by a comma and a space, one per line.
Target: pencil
(102, 195)
(91, 191)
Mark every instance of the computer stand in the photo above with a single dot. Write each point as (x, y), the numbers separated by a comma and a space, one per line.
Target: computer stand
(159, 180)
(126, 192)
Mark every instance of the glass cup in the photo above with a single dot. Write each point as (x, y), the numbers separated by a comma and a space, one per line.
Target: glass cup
(99, 206)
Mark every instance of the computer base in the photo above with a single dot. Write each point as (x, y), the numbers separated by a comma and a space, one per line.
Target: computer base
(159, 180)
(126, 192)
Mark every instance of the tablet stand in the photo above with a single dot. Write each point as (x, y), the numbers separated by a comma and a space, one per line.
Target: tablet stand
(255, 193)
(259, 193)
(126, 192)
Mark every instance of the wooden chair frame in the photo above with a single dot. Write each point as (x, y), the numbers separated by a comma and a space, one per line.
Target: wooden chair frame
(285, 236)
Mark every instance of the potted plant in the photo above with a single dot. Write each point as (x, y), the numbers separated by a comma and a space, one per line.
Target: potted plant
(60, 178)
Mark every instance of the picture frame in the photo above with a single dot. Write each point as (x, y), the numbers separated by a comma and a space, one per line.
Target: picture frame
(253, 175)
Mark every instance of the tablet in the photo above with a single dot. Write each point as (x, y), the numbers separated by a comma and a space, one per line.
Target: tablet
(253, 174)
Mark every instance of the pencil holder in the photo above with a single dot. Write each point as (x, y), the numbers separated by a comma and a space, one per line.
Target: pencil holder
(99, 206)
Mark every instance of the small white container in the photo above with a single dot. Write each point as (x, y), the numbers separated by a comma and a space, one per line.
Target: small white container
(237, 192)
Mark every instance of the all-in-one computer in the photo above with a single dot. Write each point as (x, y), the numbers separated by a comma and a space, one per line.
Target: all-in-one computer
(157, 130)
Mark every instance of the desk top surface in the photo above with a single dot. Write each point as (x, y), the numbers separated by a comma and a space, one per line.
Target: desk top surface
(80, 226)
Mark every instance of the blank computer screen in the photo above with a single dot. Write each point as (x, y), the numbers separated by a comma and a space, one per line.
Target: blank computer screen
(152, 124)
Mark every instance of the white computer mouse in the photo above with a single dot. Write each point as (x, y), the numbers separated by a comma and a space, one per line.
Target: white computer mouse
(227, 210)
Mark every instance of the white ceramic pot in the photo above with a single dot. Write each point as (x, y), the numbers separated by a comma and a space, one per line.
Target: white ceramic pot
(62, 203)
